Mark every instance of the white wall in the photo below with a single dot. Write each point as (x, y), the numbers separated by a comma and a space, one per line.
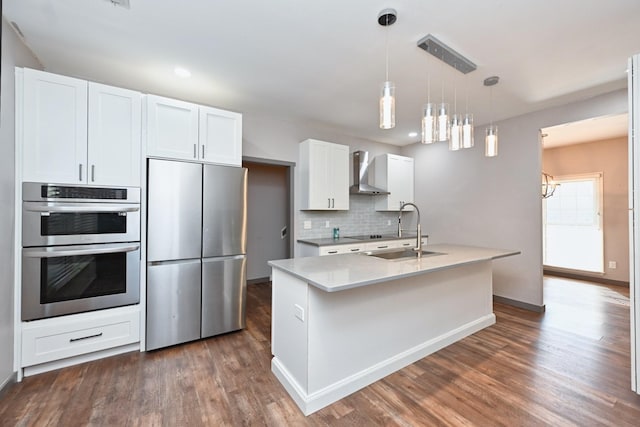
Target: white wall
(469, 199)
(13, 53)
(278, 139)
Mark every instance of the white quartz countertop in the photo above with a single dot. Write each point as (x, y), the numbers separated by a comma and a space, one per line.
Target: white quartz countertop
(334, 273)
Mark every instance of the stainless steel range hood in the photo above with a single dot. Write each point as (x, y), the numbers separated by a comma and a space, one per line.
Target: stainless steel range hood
(361, 176)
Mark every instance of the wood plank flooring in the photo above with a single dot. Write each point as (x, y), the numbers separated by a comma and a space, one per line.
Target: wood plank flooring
(568, 366)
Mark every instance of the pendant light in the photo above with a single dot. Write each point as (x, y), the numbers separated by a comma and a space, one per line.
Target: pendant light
(388, 94)
(491, 137)
(429, 127)
(455, 136)
(467, 121)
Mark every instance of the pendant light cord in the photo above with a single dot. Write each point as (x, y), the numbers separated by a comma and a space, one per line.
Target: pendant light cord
(386, 42)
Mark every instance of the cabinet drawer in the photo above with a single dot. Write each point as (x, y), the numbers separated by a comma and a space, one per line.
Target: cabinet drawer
(340, 249)
(67, 336)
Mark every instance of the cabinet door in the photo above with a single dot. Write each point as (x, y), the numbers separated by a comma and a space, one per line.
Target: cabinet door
(172, 128)
(400, 176)
(338, 176)
(325, 175)
(114, 136)
(54, 128)
(319, 192)
(220, 136)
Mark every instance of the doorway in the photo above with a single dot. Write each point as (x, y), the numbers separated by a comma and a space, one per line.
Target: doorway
(269, 215)
(585, 220)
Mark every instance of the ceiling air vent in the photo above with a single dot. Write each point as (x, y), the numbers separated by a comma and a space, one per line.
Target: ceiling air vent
(122, 3)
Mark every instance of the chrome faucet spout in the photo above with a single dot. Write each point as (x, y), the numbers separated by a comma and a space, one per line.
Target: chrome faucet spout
(418, 247)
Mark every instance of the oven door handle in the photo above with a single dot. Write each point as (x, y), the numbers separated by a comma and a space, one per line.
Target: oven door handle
(79, 207)
(60, 251)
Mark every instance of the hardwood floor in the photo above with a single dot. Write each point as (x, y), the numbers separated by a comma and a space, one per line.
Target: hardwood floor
(568, 366)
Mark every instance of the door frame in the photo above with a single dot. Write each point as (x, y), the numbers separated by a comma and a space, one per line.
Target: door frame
(290, 173)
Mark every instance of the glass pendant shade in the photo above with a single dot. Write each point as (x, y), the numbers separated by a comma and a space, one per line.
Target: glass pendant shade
(455, 137)
(388, 106)
(429, 124)
(467, 131)
(491, 142)
(443, 122)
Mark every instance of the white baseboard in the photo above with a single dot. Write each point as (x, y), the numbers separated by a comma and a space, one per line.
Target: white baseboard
(63, 363)
(310, 403)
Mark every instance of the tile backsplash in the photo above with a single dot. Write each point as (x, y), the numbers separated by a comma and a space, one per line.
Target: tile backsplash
(361, 218)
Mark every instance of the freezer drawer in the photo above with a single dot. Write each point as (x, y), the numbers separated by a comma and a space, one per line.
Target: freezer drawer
(224, 289)
(224, 214)
(173, 303)
(175, 210)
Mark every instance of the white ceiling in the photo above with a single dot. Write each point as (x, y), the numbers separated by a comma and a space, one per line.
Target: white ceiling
(323, 61)
(595, 129)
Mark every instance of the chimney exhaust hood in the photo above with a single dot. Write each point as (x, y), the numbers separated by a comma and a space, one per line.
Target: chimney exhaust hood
(361, 176)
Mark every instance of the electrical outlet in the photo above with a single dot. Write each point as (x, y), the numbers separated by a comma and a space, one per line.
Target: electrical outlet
(388, 222)
(327, 224)
(613, 265)
(307, 225)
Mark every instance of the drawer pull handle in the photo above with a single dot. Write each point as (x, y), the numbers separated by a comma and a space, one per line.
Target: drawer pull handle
(85, 338)
(383, 247)
(332, 252)
(355, 249)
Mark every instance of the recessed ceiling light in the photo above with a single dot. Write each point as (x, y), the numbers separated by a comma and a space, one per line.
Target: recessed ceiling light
(413, 134)
(182, 72)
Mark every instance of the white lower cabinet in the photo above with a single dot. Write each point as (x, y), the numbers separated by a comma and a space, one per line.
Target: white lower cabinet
(311, 250)
(63, 337)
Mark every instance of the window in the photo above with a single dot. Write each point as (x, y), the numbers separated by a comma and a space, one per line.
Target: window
(573, 237)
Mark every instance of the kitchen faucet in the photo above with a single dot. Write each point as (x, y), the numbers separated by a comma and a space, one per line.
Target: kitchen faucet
(418, 247)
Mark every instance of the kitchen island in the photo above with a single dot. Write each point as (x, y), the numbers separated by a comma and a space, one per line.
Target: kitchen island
(342, 322)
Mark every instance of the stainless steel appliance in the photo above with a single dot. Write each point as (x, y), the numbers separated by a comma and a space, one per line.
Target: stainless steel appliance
(196, 244)
(81, 249)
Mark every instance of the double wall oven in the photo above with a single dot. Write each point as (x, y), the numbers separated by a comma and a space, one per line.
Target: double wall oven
(80, 249)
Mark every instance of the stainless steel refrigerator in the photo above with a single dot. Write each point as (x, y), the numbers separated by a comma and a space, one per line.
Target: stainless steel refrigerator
(196, 251)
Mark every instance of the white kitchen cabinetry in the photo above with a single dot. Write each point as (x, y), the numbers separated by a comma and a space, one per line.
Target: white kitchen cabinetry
(59, 338)
(78, 132)
(54, 127)
(324, 169)
(220, 136)
(395, 174)
(114, 135)
(311, 250)
(172, 128)
(186, 131)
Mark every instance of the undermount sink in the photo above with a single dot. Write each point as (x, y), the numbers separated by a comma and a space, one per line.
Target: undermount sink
(401, 254)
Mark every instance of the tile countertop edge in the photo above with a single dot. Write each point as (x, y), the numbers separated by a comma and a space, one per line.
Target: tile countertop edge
(313, 270)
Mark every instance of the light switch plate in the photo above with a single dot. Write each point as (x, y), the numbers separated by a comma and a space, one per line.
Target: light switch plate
(307, 225)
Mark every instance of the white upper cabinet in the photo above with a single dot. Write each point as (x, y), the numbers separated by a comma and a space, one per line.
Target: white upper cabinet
(396, 175)
(220, 136)
(78, 132)
(172, 128)
(324, 169)
(114, 136)
(54, 127)
(182, 130)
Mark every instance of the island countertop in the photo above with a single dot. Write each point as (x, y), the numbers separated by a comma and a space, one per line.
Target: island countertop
(340, 272)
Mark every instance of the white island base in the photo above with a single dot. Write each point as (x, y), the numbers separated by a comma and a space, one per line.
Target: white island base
(328, 343)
